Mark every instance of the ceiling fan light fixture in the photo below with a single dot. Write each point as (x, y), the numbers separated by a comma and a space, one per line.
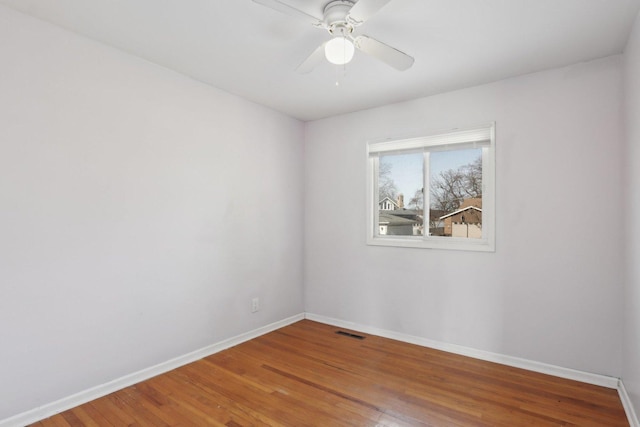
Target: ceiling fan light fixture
(339, 50)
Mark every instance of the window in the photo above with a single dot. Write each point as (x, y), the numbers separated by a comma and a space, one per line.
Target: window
(449, 176)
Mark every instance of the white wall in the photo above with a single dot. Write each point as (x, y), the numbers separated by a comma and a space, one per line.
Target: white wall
(631, 350)
(551, 292)
(133, 226)
(139, 213)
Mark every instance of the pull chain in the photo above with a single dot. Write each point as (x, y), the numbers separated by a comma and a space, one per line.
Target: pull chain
(344, 74)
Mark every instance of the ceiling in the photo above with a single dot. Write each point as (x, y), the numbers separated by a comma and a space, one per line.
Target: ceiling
(247, 49)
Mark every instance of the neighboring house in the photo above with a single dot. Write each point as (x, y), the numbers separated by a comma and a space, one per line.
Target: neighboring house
(395, 220)
(436, 225)
(387, 204)
(392, 225)
(466, 221)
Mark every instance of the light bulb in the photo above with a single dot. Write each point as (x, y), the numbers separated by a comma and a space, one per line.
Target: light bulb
(339, 50)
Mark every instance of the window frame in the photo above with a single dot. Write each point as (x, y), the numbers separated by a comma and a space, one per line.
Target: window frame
(478, 137)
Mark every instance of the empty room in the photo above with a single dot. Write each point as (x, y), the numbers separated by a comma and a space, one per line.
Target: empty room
(316, 212)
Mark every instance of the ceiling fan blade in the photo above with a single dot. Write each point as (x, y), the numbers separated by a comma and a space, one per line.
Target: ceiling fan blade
(364, 9)
(385, 53)
(289, 10)
(312, 60)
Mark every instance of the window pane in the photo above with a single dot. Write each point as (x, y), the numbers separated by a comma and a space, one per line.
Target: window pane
(400, 207)
(456, 193)
(458, 201)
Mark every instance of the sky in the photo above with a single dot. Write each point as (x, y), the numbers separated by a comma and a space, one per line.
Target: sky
(406, 169)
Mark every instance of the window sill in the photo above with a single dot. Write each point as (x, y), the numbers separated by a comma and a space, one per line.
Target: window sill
(479, 245)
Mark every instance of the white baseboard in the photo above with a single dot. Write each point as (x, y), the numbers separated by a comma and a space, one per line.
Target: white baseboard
(628, 406)
(530, 365)
(93, 393)
(516, 362)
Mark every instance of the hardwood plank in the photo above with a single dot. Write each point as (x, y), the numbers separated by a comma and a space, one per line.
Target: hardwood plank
(87, 416)
(348, 385)
(293, 394)
(111, 412)
(598, 409)
(306, 374)
(129, 402)
(203, 402)
(55, 421)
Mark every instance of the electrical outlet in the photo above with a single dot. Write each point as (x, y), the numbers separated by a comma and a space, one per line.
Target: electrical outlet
(255, 305)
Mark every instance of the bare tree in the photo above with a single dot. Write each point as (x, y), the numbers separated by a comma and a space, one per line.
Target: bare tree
(473, 178)
(417, 201)
(452, 186)
(386, 186)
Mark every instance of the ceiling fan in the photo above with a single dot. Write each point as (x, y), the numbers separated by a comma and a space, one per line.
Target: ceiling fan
(340, 19)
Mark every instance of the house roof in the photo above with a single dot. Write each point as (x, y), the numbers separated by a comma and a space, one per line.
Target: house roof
(406, 212)
(388, 219)
(389, 199)
(460, 210)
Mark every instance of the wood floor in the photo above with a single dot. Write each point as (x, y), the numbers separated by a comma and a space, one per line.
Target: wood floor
(306, 374)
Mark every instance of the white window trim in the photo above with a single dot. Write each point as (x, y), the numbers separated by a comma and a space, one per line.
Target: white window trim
(478, 136)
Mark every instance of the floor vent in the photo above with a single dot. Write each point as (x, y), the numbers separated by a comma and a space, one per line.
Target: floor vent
(348, 334)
